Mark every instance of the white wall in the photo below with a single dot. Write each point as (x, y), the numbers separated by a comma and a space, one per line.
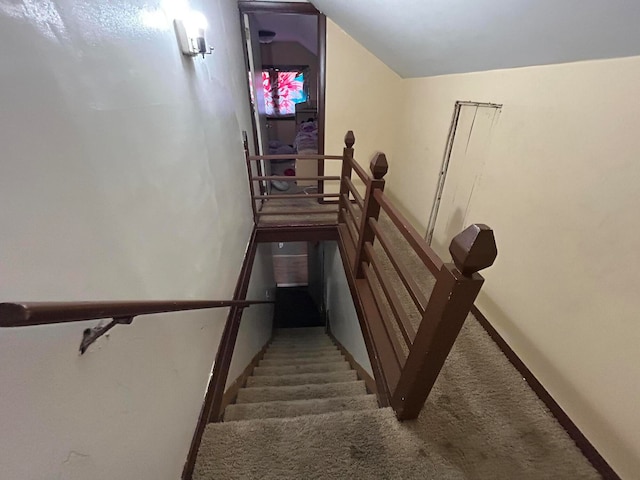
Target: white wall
(343, 319)
(256, 326)
(122, 177)
(560, 188)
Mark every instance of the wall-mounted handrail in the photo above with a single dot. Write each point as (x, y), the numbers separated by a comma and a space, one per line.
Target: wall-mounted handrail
(25, 314)
(362, 173)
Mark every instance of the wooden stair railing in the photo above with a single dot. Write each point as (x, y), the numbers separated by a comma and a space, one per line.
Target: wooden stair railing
(406, 379)
(25, 314)
(258, 180)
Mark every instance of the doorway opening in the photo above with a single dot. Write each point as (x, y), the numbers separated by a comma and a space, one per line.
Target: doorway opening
(298, 272)
(285, 47)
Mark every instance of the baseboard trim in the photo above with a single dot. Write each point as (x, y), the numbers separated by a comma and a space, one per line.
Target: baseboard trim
(232, 392)
(585, 446)
(362, 373)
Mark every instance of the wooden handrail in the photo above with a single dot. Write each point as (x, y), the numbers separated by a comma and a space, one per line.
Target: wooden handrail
(298, 212)
(353, 234)
(406, 277)
(362, 173)
(286, 178)
(400, 314)
(356, 194)
(23, 314)
(419, 244)
(400, 356)
(26, 314)
(294, 156)
(296, 195)
(351, 209)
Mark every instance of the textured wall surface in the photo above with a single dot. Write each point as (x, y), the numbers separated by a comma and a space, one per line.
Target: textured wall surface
(122, 177)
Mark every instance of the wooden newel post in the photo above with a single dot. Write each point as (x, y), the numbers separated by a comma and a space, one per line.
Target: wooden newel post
(347, 158)
(457, 286)
(379, 168)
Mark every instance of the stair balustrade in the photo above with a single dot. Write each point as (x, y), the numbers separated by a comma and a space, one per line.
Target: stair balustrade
(406, 357)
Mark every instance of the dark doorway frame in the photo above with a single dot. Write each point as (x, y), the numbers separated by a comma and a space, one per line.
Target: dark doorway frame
(248, 6)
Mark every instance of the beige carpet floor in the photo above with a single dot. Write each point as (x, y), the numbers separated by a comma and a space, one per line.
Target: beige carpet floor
(481, 421)
(326, 213)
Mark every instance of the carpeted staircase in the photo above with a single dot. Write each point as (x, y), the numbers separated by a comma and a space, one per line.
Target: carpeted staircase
(302, 373)
(304, 414)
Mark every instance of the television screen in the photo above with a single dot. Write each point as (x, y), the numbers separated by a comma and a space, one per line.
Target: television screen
(282, 90)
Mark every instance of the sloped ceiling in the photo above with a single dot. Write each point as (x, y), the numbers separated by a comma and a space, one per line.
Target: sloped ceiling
(292, 28)
(419, 38)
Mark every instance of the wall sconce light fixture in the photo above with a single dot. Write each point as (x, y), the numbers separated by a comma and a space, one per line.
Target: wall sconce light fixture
(190, 32)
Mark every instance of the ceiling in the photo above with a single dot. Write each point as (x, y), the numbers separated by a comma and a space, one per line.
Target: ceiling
(418, 38)
(291, 28)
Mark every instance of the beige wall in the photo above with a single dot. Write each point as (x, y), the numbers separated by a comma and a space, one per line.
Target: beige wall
(560, 187)
(363, 95)
(122, 178)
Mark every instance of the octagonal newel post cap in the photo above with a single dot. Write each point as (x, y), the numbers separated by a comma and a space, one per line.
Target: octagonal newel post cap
(379, 166)
(349, 139)
(474, 249)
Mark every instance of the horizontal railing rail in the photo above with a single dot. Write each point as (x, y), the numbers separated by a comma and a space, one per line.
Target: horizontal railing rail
(293, 156)
(285, 178)
(417, 242)
(293, 204)
(408, 354)
(25, 314)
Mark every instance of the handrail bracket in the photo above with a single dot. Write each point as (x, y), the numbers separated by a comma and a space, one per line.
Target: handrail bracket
(92, 334)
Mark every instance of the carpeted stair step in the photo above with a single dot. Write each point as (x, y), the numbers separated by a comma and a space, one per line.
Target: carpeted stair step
(302, 354)
(300, 392)
(302, 379)
(296, 408)
(314, 344)
(276, 362)
(296, 350)
(302, 331)
(299, 338)
(360, 445)
(307, 368)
